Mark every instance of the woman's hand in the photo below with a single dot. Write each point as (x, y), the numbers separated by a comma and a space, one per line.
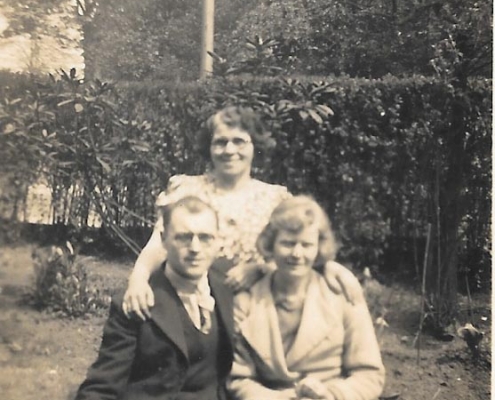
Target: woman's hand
(138, 298)
(341, 280)
(243, 276)
(312, 388)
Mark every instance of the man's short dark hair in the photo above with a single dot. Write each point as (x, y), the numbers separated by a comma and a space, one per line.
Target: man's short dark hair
(192, 204)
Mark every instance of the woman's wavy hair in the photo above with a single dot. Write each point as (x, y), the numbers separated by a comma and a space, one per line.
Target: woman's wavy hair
(244, 118)
(295, 214)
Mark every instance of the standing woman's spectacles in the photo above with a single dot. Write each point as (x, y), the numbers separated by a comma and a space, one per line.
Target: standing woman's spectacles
(222, 143)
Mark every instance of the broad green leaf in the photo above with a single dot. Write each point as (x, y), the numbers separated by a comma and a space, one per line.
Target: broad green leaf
(251, 46)
(140, 148)
(315, 116)
(325, 110)
(9, 128)
(63, 103)
(106, 166)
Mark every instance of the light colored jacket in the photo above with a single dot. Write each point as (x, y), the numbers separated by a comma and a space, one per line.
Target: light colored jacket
(335, 344)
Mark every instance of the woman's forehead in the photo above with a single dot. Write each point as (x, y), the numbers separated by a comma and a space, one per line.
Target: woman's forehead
(305, 232)
(223, 130)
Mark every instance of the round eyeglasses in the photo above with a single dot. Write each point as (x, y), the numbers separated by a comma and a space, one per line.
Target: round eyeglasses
(186, 239)
(222, 143)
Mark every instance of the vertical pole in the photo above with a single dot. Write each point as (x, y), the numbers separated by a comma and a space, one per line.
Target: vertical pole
(206, 67)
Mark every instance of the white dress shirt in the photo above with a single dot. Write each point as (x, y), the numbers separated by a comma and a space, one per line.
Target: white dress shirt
(195, 296)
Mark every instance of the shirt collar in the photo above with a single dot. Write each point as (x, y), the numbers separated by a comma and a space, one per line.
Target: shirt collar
(185, 285)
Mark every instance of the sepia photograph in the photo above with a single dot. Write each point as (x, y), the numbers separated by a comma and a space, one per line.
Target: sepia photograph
(246, 199)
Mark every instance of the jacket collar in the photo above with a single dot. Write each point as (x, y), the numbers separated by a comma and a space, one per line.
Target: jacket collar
(165, 312)
(318, 318)
(166, 315)
(261, 330)
(223, 300)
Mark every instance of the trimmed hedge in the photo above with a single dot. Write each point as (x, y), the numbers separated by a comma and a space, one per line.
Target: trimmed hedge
(378, 154)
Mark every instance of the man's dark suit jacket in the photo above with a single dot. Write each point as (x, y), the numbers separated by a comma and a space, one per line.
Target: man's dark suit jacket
(148, 360)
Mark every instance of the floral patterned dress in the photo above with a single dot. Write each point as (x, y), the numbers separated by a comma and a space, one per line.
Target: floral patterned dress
(242, 214)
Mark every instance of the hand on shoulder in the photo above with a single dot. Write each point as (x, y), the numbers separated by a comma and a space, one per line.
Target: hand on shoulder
(341, 280)
(179, 186)
(242, 302)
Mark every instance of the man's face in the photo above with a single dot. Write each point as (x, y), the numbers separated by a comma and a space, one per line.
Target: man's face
(191, 242)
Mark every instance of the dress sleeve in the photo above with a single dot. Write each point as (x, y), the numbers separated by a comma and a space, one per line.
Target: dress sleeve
(362, 363)
(178, 186)
(285, 194)
(281, 192)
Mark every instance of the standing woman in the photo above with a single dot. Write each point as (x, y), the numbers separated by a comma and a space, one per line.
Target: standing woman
(232, 138)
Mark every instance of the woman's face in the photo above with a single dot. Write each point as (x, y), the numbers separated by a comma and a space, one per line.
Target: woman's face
(231, 151)
(295, 253)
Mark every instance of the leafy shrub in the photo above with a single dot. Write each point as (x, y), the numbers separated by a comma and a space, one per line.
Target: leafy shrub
(377, 296)
(387, 158)
(61, 283)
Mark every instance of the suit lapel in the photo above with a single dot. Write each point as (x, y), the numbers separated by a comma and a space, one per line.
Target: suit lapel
(165, 313)
(318, 318)
(223, 300)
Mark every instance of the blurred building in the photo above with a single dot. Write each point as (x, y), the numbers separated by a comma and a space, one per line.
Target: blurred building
(40, 37)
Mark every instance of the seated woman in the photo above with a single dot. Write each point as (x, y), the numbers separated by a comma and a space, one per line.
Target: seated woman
(296, 339)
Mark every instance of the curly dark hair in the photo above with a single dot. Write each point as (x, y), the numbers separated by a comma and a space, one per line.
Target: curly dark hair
(244, 118)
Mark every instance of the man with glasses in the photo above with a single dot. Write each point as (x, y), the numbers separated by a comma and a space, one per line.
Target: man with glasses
(184, 351)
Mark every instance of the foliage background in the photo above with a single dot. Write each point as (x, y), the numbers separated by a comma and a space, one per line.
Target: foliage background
(155, 39)
(380, 109)
(376, 153)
